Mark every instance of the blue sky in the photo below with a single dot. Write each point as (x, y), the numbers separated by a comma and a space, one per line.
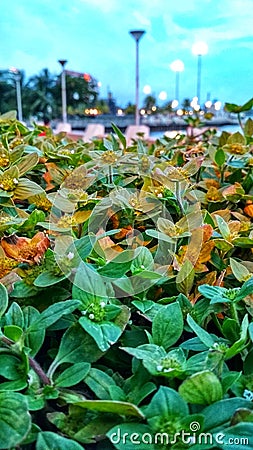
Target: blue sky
(93, 35)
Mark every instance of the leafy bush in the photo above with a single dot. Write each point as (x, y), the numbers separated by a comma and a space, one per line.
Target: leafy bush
(126, 290)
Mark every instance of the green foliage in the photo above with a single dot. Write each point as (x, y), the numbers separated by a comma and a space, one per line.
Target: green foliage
(125, 289)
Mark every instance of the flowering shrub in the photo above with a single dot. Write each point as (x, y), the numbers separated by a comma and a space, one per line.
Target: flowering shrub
(126, 290)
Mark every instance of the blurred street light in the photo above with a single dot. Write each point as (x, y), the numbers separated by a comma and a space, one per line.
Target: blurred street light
(17, 78)
(177, 66)
(162, 95)
(147, 89)
(63, 62)
(199, 49)
(137, 34)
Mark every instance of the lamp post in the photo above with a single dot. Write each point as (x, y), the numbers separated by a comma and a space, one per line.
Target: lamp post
(199, 49)
(177, 66)
(137, 34)
(17, 78)
(63, 62)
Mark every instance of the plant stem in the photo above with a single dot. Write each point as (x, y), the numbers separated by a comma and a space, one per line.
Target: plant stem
(33, 364)
(178, 196)
(216, 321)
(240, 122)
(233, 312)
(40, 372)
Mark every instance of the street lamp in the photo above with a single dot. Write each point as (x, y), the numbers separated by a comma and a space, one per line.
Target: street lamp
(17, 78)
(177, 66)
(137, 34)
(63, 62)
(199, 49)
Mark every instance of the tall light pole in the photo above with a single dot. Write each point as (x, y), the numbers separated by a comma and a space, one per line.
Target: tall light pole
(177, 66)
(63, 62)
(137, 34)
(199, 49)
(17, 78)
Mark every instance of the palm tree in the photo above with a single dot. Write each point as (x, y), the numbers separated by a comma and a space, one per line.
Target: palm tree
(38, 95)
(149, 102)
(8, 97)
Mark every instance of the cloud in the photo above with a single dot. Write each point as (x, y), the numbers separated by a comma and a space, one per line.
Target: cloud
(104, 5)
(141, 19)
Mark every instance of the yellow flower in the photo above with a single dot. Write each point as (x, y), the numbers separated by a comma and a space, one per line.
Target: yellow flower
(41, 201)
(213, 195)
(4, 159)
(109, 157)
(8, 183)
(6, 266)
(236, 149)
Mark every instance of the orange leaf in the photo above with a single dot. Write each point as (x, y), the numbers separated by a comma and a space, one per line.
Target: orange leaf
(48, 178)
(24, 249)
(249, 210)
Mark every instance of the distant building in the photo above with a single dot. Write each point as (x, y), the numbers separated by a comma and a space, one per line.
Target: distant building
(111, 104)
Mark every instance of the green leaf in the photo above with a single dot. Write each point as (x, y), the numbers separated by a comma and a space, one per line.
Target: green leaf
(119, 134)
(53, 313)
(167, 325)
(15, 420)
(201, 388)
(75, 346)
(223, 245)
(239, 345)
(33, 338)
(73, 375)
(212, 292)
(88, 285)
(223, 227)
(30, 223)
(240, 272)
(113, 407)
(84, 246)
(220, 157)
(46, 279)
(14, 315)
(231, 329)
(105, 334)
(228, 379)
(143, 260)
(27, 188)
(146, 352)
(203, 335)
(13, 332)
(27, 163)
(118, 266)
(166, 403)
(236, 138)
(248, 127)
(246, 289)
(251, 331)
(3, 299)
(185, 277)
(14, 385)
(10, 366)
(243, 242)
(220, 413)
(47, 440)
(232, 107)
(100, 383)
(243, 432)
(23, 290)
